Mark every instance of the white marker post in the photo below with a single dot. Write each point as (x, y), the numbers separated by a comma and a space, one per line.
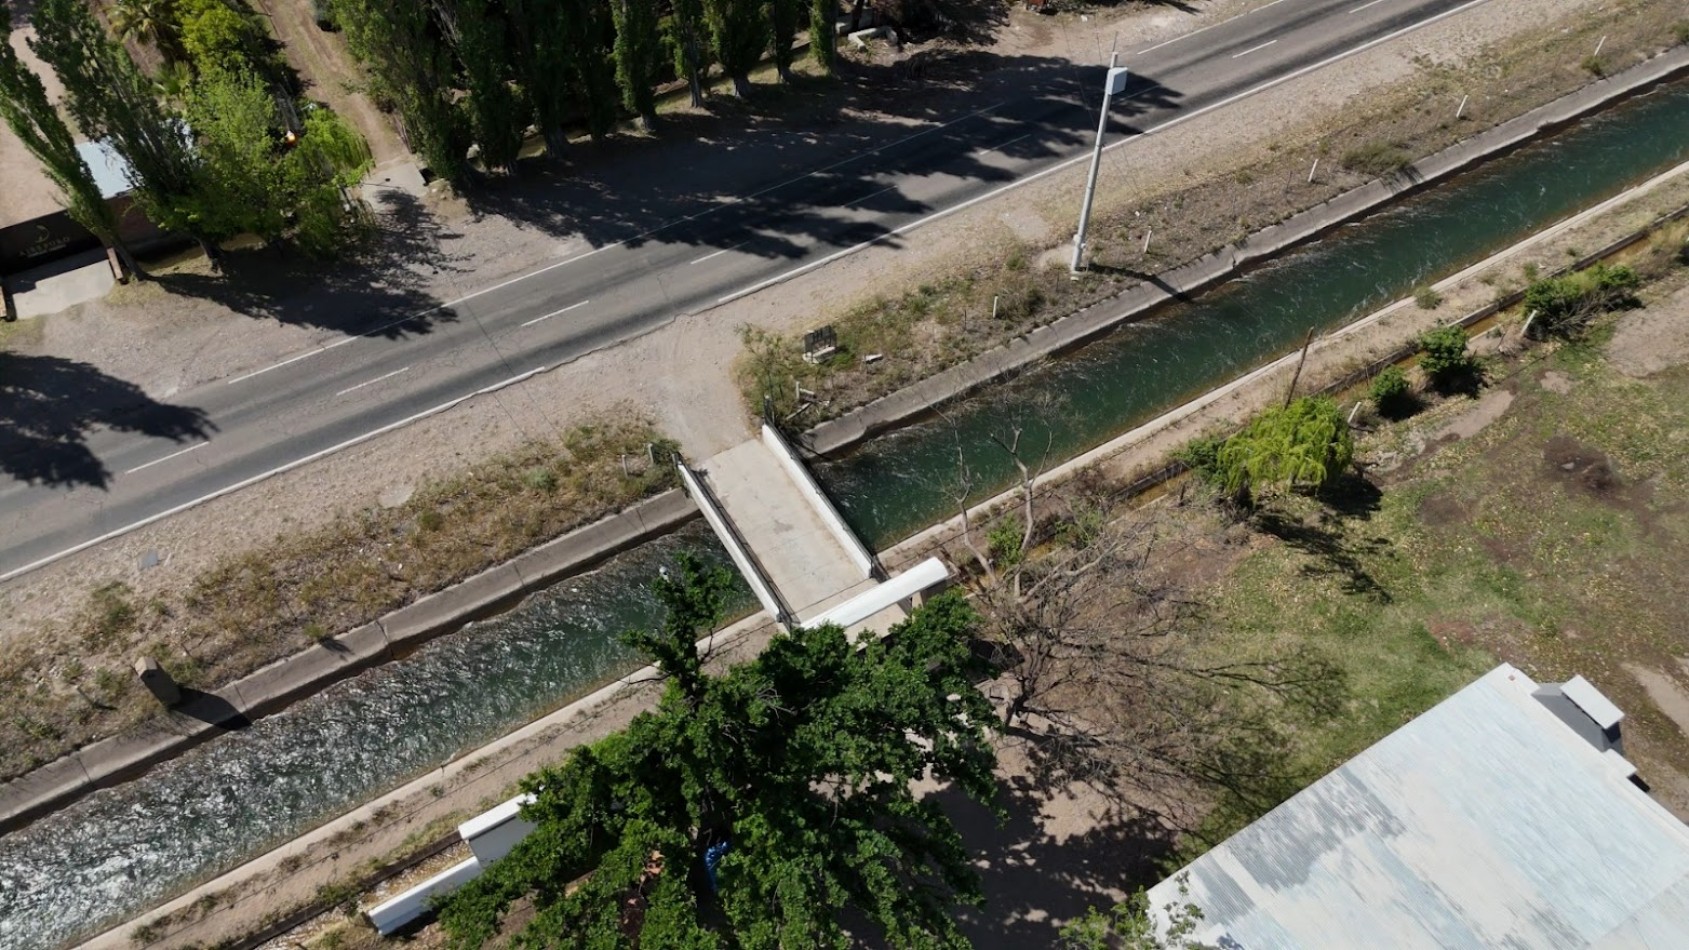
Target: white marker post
(1112, 85)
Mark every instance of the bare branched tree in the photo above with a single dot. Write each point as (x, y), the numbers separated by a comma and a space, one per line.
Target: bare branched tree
(1109, 666)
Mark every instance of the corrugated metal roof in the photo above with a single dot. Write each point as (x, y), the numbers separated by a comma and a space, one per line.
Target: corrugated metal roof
(1485, 822)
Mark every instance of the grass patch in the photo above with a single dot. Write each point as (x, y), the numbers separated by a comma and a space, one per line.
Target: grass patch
(1547, 540)
(302, 588)
(1378, 159)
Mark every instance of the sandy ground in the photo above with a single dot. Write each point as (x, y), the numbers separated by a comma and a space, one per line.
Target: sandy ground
(166, 343)
(27, 191)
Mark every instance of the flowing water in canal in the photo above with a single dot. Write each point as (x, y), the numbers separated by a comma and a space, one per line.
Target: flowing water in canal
(122, 850)
(901, 482)
(125, 849)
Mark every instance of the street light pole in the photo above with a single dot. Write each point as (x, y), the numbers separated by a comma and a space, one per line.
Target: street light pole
(1115, 82)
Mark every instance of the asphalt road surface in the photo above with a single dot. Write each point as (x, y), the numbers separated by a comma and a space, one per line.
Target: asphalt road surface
(676, 243)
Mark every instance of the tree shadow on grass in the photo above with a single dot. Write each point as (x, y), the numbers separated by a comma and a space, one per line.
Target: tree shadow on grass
(1350, 497)
(381, 287)
(49, 405)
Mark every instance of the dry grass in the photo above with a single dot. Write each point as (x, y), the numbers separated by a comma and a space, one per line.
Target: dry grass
(71, 683)
(924, 327)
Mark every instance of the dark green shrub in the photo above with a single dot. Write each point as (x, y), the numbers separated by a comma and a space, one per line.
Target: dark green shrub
(1202, 456)
(1443, 356)
(1565, 303)
(1390, 393)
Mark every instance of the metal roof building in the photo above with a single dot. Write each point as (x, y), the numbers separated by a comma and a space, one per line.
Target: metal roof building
(1505, 816)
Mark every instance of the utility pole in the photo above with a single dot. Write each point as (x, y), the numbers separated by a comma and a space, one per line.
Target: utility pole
(1112, 85)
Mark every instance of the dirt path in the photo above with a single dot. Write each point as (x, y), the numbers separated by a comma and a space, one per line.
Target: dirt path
(317, 55)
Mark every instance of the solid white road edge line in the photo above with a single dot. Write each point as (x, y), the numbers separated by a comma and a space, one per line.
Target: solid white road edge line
(580, 257)
(151, 519)
(278, 470)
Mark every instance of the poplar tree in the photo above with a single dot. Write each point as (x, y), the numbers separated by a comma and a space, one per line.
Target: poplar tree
(691, 45)
(497, 119)
(111, 100)
(638, 54)
(32, 118)
(824, 34)
(783, 29)
(595, 76)
(738, 35)
(540, 57)
(411, 68)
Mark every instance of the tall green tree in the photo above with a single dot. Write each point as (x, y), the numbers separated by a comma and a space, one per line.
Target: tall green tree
(586, 30)
(498, 120)
(110, 99)
(148, 21)
(795, 770)
(783, 18)
(824, 34)
(690, 34)
(216, 35)
(638, 53)
(233, 116)
(1303, 444)
(410, 68)
(256, 182)
(30, 115)
(540, 54)
(738, 35)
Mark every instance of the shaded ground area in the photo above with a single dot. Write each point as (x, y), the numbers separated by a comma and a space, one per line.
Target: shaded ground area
(49, 406)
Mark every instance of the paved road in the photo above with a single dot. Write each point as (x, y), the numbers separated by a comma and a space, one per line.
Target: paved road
(665, 254)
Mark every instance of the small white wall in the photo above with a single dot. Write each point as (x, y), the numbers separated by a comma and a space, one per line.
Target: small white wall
(397, 913)
(870, 602)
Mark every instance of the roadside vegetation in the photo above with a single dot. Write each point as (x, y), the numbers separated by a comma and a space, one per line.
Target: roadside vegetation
(216, 141)
(1529, 521)
(1007, 285)
(472, 74)
(73, 683)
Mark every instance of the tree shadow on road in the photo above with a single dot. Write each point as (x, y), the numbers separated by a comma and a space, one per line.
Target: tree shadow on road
(956, 113)
(49, 405)
(380, 288)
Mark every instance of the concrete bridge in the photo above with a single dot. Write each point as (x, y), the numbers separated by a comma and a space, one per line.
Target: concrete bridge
(801, 559)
